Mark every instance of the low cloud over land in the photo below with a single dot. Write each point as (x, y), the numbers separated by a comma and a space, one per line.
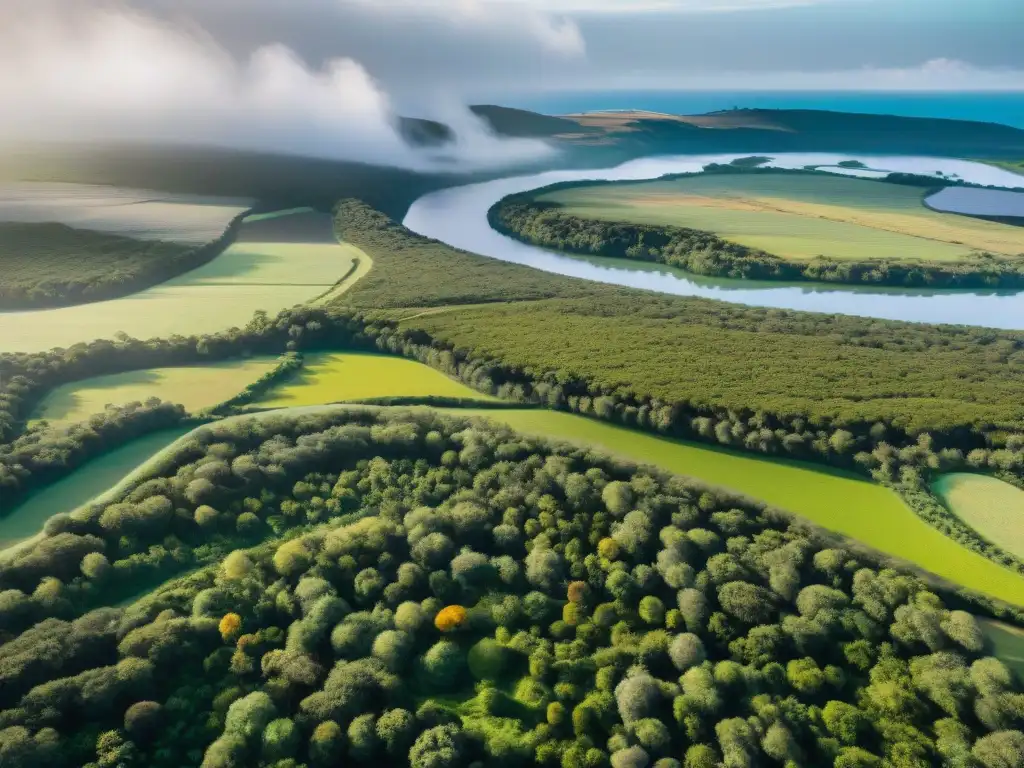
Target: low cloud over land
(109, 72)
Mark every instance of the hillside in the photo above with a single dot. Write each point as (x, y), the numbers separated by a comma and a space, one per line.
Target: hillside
(783, 130)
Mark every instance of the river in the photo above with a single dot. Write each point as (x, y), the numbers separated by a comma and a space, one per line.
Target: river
(458, 216)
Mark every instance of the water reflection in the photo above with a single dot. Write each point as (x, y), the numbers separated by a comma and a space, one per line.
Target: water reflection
(458, 216)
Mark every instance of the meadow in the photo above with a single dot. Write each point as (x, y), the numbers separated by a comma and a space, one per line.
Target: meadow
(88, 481)
(329, 377)
(992, 507)
(250, 275)
(797, 217)
(196, 387)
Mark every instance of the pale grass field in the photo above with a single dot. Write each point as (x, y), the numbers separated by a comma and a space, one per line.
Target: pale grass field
(142, 214)
(224, 293)
(197, 387)
(800, 217)
(993, 508)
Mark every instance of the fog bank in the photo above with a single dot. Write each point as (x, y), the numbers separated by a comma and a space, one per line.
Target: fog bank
(106, 72)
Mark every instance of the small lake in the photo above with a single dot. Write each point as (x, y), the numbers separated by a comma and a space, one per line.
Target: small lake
(978, 202)
(458, 216)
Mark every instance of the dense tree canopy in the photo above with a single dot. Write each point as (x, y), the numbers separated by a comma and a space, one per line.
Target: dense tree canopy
(322, 645)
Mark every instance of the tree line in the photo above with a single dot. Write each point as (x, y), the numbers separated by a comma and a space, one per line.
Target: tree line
(458, 595)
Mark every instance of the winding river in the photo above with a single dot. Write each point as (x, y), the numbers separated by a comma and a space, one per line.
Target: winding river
(458, 216)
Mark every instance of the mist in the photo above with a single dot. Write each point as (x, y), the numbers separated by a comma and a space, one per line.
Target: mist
(110, 73)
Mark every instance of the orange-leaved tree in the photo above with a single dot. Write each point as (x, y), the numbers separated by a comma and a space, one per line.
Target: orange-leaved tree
(450, 618)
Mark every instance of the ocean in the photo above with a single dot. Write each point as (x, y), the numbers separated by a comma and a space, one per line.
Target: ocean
(1005, 108)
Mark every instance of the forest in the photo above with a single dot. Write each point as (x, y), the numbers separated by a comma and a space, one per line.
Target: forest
(441, 593)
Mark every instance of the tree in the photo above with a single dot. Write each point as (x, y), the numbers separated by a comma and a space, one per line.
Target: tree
(1002, 749)
(396, 729)
(439, 747)
(142, 720)
(326, 744)
(444, 663)
(230, 627)
(844, 721)
(280, 739)
(451, 618)
(686, 650)
(487, 659)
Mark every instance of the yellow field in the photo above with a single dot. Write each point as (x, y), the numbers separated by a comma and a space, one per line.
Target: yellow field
(799, 217)
(331, 377)
(991, 507)
(249, 276)
(196, 387)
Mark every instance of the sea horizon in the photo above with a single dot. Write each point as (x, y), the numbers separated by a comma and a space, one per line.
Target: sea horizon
(1002, 107)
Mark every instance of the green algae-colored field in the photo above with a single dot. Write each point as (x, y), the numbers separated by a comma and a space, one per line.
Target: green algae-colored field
(331, 377)
(93, 478)
(197, 387)
(842, 503)
(993, 508)
(798, 217)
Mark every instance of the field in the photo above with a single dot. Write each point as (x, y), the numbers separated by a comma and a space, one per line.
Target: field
(136, 213)
(845, 504)
(196, 387)
(90, 480)
(268, 274)
(329, 377)
(798, 217)
(993, 508)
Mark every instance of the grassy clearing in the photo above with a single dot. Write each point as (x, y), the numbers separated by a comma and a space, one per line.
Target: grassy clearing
(992, 507)
(842, 503)
(336, 376)
(81, 486)
(249, 276)
(1006, 643)
(196, 387)
(798, 217)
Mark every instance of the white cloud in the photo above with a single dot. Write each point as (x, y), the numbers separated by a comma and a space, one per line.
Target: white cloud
(644, 6)
(102, 72)
(532, 19)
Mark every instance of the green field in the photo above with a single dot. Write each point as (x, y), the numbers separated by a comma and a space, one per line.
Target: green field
(798, 217)
(197, 387)
(81, 486)
(270, 275)
(842, 503)
(330, 377)
(993, 508)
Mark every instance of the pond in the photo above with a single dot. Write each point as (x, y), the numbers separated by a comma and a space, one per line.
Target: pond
(972, 201)
(458, 216)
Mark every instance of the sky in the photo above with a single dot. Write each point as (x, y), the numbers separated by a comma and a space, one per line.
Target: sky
(327, 77)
